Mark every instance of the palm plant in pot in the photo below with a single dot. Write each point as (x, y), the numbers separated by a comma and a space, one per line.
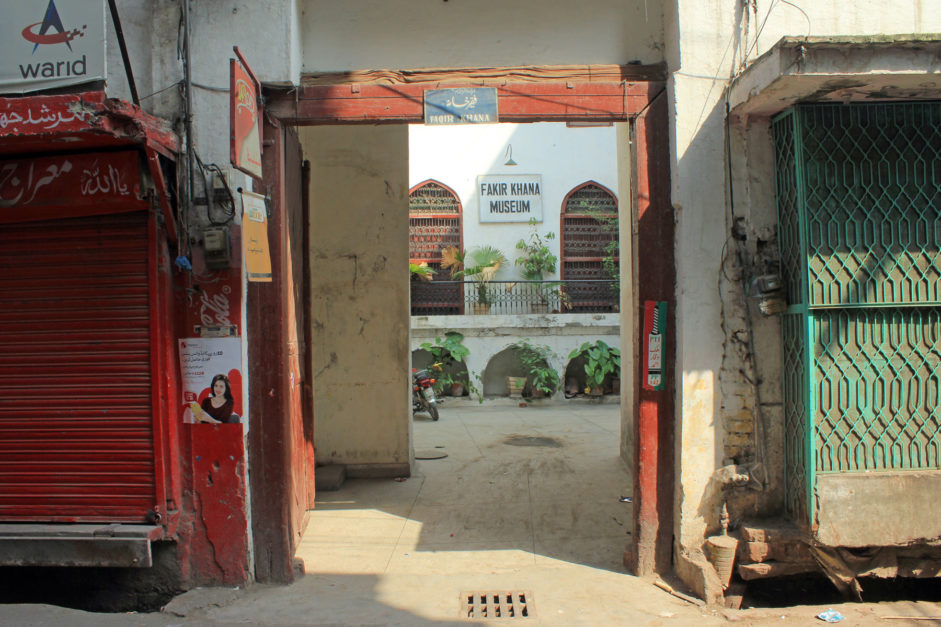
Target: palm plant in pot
(537, 258)
(602, 362)
(480, 265)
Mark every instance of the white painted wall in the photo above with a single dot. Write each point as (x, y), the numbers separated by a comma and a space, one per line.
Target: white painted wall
(404, 34)
(486, 336)
(564, 157)
(705, 45)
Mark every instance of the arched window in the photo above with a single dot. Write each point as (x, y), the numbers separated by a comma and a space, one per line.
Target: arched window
(434, 223)
(590, 247)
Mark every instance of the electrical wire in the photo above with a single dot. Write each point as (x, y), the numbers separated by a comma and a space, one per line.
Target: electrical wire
(214, 169)
(211, 88)
(160, 91)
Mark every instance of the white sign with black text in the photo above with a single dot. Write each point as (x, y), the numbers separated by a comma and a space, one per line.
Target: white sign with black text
(47, 44)
(510, 197)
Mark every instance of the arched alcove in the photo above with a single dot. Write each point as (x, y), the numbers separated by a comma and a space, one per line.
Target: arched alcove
(455, 372)
(503, 364)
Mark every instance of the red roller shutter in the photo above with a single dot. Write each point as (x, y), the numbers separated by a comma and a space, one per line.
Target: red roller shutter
(76, 417)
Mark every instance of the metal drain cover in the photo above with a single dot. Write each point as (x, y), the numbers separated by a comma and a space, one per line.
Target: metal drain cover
(532, 440)
(493, 605)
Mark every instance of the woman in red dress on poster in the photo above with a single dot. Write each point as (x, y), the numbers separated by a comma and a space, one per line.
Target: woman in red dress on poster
(217, 408)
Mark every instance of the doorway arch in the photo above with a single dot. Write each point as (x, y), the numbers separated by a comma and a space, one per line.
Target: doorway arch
(632, 94)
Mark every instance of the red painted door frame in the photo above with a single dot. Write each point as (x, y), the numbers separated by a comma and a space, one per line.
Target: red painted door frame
(641, 103)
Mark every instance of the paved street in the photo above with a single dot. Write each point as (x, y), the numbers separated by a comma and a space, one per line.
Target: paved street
(526, 500)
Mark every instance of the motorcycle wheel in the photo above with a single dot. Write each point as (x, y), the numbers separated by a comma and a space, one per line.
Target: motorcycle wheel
(433, 412)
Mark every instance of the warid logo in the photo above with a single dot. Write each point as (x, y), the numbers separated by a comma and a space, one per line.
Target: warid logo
(42, 37)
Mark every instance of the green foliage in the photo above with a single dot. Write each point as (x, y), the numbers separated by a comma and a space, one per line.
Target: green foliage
(601, 360)
(446, 353)
(421, 270)
(486, 261)
(447, 350)
(535, 359)
(609, 224)
(537, 256)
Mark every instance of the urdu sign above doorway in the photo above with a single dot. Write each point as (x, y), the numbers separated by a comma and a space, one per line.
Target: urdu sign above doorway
(470, 105)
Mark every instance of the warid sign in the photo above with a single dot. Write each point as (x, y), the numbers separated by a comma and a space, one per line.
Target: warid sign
(510, 197)
(47, 45)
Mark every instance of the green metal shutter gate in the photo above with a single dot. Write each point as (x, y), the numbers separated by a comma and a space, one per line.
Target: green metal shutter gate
(859, 226)
(76, 428)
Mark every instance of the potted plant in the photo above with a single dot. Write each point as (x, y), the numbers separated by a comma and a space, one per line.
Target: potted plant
(447, 356)
(601, 362)
(420, 271)
(543, 378)
(537, 258)
(486, 260)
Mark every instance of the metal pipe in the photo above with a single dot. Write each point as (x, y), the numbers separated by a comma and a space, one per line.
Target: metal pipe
(124, 56)
(188, 107)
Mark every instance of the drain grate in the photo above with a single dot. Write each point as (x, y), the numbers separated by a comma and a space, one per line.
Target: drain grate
(492, 605)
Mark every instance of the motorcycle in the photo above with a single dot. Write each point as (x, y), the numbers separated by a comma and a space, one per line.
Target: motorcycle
(423, 393)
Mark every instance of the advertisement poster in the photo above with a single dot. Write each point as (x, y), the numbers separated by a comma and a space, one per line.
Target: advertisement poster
(244, 120)
(655, 318)
(211, 371)
(47, 44)
(255, 238)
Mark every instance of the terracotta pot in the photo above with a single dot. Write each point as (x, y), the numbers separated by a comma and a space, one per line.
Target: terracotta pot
(457, 389)
(481, 309)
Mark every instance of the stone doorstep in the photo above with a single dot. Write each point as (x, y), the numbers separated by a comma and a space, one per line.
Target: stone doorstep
(757, 552)
(766, 570)
(772, 532)
(113, 545)
(329, 478)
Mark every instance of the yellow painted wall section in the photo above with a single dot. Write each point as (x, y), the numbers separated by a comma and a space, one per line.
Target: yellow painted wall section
(359, 282)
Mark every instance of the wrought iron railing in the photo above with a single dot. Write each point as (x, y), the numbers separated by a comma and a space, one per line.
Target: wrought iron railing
(431, 298)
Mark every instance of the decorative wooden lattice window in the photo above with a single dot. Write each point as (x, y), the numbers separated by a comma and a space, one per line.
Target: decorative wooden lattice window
(590, 246)
(434, 223)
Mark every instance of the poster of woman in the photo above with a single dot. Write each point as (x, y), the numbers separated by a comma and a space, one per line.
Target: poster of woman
(212, 380)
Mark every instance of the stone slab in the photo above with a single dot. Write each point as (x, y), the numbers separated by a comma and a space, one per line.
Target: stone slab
(878, 509)
(329, 478)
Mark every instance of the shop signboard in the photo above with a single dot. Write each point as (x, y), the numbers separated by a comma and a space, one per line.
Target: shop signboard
(43, 187)
(49, 45)
(244, 118)
(255, 238)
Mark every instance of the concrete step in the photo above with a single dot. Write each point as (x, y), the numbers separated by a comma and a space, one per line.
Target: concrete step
(766, 570)
(113, 545)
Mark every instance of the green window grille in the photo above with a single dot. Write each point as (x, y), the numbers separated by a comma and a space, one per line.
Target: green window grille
(858, 192)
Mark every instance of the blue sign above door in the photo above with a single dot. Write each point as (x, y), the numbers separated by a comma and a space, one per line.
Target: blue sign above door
(473, 105)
